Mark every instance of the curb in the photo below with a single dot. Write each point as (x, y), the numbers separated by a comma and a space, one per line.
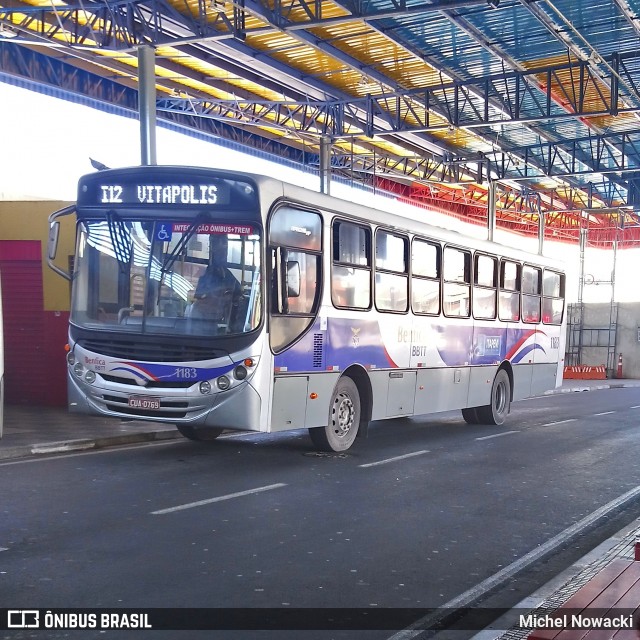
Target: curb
(611, 385)
(85, 444)
(618, 545)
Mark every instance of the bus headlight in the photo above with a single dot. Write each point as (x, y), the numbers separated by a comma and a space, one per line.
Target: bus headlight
(71, 359)
(90, 376)
(240, 372)
(205, 387)
(223, 383)
(78, 369)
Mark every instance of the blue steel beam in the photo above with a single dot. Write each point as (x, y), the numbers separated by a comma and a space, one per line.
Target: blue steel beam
(28, 69)
(462, 103)
(80, 85)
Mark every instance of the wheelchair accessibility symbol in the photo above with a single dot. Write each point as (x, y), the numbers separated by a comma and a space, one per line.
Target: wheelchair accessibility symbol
(164, 232)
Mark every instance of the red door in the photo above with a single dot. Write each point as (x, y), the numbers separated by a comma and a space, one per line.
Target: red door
(26, 368)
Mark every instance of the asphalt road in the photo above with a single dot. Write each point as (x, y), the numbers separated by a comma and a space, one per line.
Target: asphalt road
(422, 512)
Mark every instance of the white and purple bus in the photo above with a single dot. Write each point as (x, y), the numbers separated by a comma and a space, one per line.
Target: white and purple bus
(336, 314)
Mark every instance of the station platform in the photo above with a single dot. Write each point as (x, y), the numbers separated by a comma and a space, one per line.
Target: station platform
(33, 431)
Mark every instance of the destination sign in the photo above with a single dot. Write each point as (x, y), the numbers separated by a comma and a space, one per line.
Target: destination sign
(211, 193)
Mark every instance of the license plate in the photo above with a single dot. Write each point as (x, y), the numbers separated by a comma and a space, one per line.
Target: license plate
(144, 402)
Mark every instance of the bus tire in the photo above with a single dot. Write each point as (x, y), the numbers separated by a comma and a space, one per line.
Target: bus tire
(496, 412)
(200, 434)
(470, 415)
(344, 419)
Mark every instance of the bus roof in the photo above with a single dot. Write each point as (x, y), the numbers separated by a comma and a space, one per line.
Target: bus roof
(333, 204)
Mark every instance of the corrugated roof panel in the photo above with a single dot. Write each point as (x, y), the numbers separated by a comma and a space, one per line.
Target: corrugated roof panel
(208, 71)
(364, 45)
(514, 30)
(409, 72)
(409, 49)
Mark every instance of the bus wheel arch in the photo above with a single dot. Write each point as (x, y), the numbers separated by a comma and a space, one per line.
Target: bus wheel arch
(345, 415)
(507, 366)
(360, 378)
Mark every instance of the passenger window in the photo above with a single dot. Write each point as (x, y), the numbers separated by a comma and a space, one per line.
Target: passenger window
(484, 292)
(485, 271)
(426, 258)
(509, 296)
(457, 285)
(351, 267)
(531, 281)
(351, 244)
(392, 281)
(391, 252)
(552, 297)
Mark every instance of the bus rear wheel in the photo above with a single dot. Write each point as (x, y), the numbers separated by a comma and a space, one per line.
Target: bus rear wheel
(200, 434)
(470, 415)
(496, 412)
(344, 419)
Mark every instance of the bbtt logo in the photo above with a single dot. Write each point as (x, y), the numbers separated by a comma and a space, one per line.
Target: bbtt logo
(23, 619)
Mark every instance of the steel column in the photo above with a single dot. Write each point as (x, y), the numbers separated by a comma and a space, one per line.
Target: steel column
(325, 164)
(491, 205)
(147, 104)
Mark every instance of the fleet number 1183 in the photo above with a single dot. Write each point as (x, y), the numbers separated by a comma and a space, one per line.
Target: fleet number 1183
(186, 372)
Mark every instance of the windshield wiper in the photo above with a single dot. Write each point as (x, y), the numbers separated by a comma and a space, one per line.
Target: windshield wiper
(118, 235)
(169, 261)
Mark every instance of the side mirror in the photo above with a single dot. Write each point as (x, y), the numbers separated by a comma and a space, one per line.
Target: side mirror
(52, 245)
(293, 279)
(54, 234)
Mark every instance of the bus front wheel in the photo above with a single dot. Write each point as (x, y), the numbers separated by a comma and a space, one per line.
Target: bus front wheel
(203, 434)
(496, 412)
(344, 419)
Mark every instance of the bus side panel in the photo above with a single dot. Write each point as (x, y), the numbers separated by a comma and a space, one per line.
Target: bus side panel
(543, 378)
(322, 385)
(521, 344)
(442, 389)
(545, 359)
(480, 383)
(293, 405)
(401, 393)
(289, 406)
(380, 392)
(522, 380)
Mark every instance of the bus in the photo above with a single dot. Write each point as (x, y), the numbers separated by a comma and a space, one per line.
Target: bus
(337, 314)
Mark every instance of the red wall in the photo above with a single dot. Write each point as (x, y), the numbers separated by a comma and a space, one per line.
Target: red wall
(34, 340)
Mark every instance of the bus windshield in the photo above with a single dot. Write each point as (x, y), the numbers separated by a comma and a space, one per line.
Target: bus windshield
(197, 277)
